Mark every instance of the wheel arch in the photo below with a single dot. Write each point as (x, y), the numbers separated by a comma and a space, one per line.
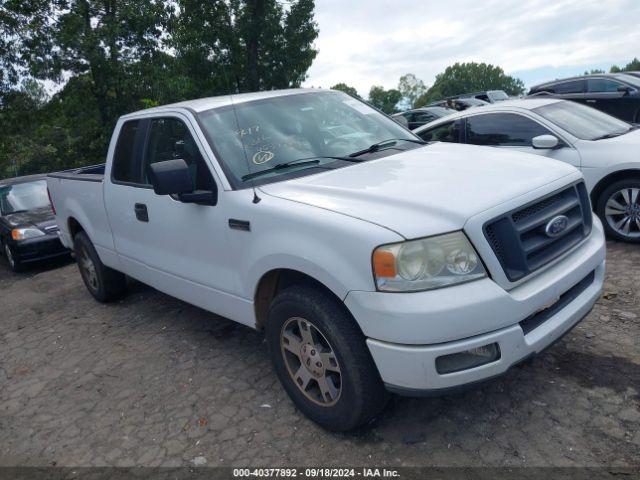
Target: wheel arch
(609, 179)
(74, 227)
(276, 280)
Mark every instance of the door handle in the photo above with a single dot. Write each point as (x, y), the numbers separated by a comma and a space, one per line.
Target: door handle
(141, 212)
(591, 101)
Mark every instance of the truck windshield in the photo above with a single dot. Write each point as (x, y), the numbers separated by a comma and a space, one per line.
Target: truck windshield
(253, 136)
(23, 196)
(583, 122)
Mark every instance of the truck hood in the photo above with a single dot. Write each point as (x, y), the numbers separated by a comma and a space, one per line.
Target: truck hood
(424, 191)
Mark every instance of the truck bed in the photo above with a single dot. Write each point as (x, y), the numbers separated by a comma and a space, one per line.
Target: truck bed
(78, 201)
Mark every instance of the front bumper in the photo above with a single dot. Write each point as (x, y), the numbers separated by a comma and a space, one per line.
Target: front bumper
(415, 329)
(39, 248)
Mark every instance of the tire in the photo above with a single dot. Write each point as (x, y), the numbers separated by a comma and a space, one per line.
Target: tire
(354, 394)
(104, 283)
(14, 264)
(622, 196)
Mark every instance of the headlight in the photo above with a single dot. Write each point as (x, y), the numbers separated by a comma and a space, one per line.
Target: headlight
(426, 263)
(24, 233)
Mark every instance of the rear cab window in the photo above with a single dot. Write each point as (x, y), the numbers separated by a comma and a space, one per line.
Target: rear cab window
(123, 168)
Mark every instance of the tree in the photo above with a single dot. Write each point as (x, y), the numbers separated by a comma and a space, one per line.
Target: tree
(102, 39)
(243, 45)
(343, 87)
(110, 57)
(411, 88)
(594, 72)
(385, 100)
(470, 77)
(632, 66)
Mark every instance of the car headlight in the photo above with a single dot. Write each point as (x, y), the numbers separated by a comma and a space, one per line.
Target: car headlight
(24, 233)
(427, 263)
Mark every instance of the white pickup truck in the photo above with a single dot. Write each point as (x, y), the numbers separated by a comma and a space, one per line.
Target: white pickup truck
(373, 262)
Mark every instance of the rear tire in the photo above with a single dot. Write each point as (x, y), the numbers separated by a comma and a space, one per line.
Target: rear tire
(618, 206)
(14, 264)
(321, 359)
(104, 283)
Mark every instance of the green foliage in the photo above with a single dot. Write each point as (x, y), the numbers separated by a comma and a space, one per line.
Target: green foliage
(411, 88)
(594, 72)
(238, 46)
(385, 100)
(632, 66)
(343, 87)
(470, 77)
(116, 56)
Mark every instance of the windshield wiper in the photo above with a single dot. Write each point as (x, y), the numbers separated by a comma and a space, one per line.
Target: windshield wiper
(385, 144)
(611, 135)
(296, 162)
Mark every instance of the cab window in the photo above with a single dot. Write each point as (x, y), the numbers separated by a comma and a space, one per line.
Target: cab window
(447, 132)
(601, 85)
(125, 167)
(576, 86)
(170, 139)
(503, 129)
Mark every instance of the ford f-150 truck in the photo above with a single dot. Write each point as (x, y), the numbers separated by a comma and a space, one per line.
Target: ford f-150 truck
(373, 262)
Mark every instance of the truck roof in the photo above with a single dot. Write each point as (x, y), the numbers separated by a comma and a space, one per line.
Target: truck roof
(202, 104)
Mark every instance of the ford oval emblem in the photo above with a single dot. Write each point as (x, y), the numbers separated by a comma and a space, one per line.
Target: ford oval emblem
(556, 226)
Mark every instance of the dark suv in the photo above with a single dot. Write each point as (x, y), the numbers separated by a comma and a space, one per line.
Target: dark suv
(617, 94)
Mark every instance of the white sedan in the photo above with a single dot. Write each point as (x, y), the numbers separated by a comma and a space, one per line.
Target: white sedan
(605, 149)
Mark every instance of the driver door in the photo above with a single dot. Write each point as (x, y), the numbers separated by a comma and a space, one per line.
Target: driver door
(180, 248)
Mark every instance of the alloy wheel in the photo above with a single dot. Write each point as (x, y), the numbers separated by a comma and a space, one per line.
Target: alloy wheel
(88, 269)
(9, 255)
(622, 212)
(311, 361)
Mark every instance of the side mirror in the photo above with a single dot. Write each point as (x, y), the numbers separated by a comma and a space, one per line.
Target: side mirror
(173, 177)
(545, 142)
(624, 89)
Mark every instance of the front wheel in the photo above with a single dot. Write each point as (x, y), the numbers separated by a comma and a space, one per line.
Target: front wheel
(14, 263)
(104, 283)
(619, 209)
(321, 359)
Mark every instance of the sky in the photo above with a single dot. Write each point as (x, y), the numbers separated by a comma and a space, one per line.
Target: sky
(373, 42)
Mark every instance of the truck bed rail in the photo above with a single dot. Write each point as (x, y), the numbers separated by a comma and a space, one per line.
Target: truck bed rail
(92, 173)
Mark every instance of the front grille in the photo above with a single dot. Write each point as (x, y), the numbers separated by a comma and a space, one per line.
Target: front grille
(519, 240)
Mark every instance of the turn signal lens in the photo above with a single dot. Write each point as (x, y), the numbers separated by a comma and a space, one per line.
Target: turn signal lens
(384, 264)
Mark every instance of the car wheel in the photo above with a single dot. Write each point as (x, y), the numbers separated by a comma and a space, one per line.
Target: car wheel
(619, 209)
(321, 359)
(104, 283)
(12, 261)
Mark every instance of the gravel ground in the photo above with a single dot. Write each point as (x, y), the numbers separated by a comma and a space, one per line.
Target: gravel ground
(153, 381)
